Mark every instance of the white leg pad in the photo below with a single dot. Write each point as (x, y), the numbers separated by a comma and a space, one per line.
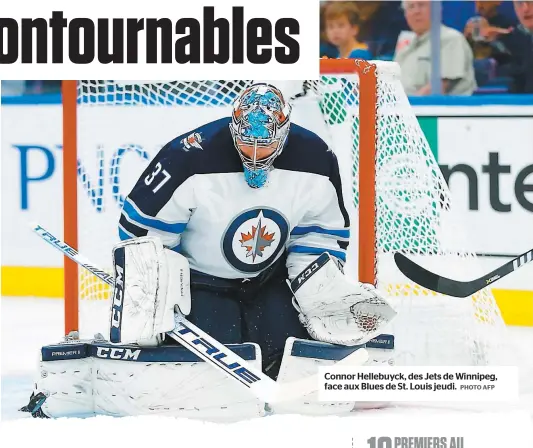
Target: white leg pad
(302, 358)
(98, 378)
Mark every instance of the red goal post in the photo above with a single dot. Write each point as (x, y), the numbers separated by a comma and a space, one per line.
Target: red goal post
(69, 92)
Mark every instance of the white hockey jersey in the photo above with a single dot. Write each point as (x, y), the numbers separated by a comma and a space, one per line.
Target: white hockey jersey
(193, 195)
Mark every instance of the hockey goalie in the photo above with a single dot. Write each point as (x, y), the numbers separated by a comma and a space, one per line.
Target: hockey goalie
(240, 226)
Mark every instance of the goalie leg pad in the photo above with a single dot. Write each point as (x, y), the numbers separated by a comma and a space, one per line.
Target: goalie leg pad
(149, 282)
(98, 378)
(302, 358)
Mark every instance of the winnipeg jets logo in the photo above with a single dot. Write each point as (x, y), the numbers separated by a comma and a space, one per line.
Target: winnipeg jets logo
(192, 141)
(254, 239)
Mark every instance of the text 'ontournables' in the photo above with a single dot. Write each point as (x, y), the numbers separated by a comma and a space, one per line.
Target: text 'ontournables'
(184, 40)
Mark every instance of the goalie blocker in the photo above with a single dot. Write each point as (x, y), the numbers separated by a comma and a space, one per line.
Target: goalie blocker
(150, 282)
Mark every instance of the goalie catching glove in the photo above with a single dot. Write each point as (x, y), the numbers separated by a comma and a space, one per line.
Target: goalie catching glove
(336, 310)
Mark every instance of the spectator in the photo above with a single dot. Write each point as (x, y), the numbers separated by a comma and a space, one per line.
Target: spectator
(489, 11)
(413, 54)
(326, 49)
(517, 44)
(342, 29)
(488, 16)
(381, 24)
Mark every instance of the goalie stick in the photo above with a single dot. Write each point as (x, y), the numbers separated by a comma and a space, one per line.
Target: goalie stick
(457, 288)
(212, 351)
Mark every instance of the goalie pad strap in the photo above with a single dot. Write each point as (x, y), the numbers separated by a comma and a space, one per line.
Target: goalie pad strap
(103, 350)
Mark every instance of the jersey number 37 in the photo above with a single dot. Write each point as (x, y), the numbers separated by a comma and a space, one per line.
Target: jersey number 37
(158, 172)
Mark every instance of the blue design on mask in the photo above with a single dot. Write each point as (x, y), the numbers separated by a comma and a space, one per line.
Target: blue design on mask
(255, 178)
(268, 99)
(251, 98)
(257, 125)
(271, 101)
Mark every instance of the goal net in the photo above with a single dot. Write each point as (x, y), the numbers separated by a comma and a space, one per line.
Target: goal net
(393, 189)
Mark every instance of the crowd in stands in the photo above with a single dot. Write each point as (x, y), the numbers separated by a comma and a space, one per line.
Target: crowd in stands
(490, 51)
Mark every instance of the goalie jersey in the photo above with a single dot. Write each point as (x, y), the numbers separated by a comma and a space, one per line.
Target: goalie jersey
(194, 196)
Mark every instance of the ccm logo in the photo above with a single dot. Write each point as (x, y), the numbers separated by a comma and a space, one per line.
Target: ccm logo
(117, 353)
(117, 297)
(307, 273)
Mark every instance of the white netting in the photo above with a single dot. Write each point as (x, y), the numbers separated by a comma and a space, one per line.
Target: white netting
(122, 125)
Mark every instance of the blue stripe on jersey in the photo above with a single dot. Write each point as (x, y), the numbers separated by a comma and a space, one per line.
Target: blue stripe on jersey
(123, 235)
(176, 248)
(137, 216)
(317, 251)
(131, 229)
(303, 230)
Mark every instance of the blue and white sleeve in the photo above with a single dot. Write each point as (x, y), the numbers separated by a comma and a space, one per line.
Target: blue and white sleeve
(324, 228)
(160, 203)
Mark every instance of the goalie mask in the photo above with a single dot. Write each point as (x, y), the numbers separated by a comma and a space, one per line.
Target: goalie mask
(259, 126)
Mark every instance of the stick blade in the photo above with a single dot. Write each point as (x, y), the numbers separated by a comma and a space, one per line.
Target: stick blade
(416, 273)
(430, 280)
